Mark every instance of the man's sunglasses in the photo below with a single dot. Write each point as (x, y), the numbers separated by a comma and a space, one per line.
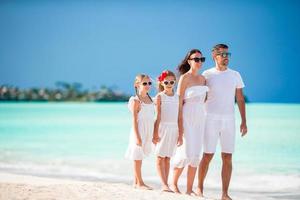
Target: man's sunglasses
(167, 82)
(224, 54)
(147, 83)
(202, 59)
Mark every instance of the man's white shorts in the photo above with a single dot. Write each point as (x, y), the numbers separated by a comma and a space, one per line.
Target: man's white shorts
(219, 128)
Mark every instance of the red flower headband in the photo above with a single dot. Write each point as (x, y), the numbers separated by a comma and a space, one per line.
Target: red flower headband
(163, 75)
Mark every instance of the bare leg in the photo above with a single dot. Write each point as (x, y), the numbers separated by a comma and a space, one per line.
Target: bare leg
(138, 175)
(135, 181)
(190, 179)
(161, 169)
(203, 168)
(226, 174)
(167, 168)
(176, 175)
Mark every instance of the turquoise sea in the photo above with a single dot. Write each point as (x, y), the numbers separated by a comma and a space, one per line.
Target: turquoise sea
(88, 141)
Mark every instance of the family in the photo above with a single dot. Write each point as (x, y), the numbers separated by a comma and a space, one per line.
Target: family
(185, 123)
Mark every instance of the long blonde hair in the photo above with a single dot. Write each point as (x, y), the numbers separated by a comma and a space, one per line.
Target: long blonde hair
(137, 80)
(161, 78)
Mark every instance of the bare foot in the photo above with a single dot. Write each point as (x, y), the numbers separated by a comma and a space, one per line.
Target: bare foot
(166, 188)
(226, 197)
(199, 193)
(143, 187)
(176, 189)
(191, 193)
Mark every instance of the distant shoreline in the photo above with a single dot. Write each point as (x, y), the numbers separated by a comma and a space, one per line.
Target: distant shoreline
(63, 92)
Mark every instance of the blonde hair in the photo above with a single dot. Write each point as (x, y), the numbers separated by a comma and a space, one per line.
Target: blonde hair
(137, 80)
(161, 79)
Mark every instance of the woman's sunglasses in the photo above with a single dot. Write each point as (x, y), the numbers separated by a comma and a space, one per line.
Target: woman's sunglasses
(202, 59)
(167, 82)
(147, 83)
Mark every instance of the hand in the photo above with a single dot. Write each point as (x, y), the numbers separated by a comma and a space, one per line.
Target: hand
(139, 141)
(243, 129)
(155, 139)
(179, 141)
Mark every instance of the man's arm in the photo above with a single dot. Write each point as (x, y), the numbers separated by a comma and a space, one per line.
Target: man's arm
(241, 103)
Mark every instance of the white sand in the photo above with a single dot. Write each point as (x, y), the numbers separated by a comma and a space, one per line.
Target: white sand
(17, 187)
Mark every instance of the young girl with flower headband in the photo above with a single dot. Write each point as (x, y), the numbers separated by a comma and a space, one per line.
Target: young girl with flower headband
(166, 134)
(143, 112)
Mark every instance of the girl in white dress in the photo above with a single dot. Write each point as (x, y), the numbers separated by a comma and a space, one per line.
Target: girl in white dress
(166, 133)
(143, 113)
(192, 94)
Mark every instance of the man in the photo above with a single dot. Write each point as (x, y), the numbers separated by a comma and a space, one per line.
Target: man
(225, 85)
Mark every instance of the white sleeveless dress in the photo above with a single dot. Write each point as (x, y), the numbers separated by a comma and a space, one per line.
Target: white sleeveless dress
(189, 152)
(168, 127)
(146, 119)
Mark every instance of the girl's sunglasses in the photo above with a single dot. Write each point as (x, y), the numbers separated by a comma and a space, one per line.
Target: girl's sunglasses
(202, 59)
(167, 82)
(147, 83)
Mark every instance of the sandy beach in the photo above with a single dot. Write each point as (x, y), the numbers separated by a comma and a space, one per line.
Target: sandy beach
(14, 186)
(17, 187)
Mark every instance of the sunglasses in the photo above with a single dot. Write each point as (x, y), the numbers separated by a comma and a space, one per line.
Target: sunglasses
(202, 59)
(167, 82)
(224, 54)
(147, 83)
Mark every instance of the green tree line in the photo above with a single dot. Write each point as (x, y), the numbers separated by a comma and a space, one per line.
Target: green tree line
(62, 92)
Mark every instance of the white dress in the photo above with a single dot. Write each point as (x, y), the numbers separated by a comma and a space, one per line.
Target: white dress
(193, 127)
(146, 119)
(168, 127)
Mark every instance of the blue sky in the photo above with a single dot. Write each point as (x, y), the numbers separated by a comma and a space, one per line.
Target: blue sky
(109, 42)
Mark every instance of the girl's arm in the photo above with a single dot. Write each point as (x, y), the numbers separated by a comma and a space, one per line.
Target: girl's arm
(136, 108)
(180, 92)
(156, 138)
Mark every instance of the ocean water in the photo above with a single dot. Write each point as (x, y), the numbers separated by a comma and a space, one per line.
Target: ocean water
(88, 140)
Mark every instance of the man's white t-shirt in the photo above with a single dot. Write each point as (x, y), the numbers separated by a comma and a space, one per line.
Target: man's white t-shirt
(221, 95)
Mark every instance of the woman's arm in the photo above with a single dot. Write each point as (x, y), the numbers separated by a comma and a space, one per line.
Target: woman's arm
(205, 83)
(180, 92)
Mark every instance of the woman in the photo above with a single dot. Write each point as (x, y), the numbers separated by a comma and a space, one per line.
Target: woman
(192, 93)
